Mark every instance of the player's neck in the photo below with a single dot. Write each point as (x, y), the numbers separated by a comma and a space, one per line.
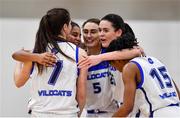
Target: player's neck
(94, 50)
(61, 36)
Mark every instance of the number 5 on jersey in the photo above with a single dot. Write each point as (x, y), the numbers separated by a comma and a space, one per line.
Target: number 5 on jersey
(97, 87)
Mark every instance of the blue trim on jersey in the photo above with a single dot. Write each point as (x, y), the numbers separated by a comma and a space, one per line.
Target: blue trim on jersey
(138, 114)
(150, 105)
(32, 68)
(77, 58)
(103, 50)
(54, 51)
(141, 74)
(151, 114)
(102, 65)
(33, 64)
(77, 52)
(177, 104)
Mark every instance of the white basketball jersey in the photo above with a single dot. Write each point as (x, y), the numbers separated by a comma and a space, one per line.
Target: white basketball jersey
(54, 91)
(99, 87)
(156, 89)
(118, 86)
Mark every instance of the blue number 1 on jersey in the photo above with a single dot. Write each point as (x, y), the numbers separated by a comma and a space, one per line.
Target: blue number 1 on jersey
(56, 72)
(165, 81)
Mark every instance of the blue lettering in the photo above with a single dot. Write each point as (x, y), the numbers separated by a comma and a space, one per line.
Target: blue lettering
(69, 93)
(104, 74)
(63, 93)
(42, 92)
(174, 94)
(112, 68)
(54, 93)
(168, 95)
(51, 92)
(93, 76)
(98, 75)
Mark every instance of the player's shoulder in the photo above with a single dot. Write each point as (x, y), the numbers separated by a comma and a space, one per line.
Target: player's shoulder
(82, 53)
(130, 66)
(66, 44)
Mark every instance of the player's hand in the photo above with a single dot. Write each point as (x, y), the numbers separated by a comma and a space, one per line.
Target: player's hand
(47, 59)
(89, 61)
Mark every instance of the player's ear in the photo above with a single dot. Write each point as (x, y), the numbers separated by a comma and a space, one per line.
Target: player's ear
(119, 32)
(65, 27)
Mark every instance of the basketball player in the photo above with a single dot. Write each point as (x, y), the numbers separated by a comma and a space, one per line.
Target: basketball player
(75, 35)
(149, 90)
(55, 91)
(101, 77)
(99, 100)
(111, 26)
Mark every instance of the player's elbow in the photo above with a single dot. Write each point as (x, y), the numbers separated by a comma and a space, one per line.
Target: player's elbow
(17, 55)
(14, 55)
(18, 84)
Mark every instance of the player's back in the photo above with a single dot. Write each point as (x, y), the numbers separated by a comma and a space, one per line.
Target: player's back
(156, 89)
(54, 91)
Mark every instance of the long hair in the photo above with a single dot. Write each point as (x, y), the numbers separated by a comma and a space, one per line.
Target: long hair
(126, 41)
(116, 20)
(128, 29)
(50, 27)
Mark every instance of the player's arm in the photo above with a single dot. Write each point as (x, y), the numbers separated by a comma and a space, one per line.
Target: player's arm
(46, 58)
(128, 75)
(81, 83)
(178, 92)
(115, 55)
(22, 73)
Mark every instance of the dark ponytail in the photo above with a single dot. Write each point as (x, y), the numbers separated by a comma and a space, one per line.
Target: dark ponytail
(49, 30)
(128, 29)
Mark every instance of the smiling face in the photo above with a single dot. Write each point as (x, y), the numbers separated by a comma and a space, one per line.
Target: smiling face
(75, 35)
(91, 34)
(107, 33)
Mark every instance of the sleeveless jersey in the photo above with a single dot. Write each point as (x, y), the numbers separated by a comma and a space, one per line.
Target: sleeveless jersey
(54, 91)
(117, 86)
(99, 86)
(156, 89)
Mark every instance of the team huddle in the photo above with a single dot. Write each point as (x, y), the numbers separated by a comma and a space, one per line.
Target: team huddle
(107, 75)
